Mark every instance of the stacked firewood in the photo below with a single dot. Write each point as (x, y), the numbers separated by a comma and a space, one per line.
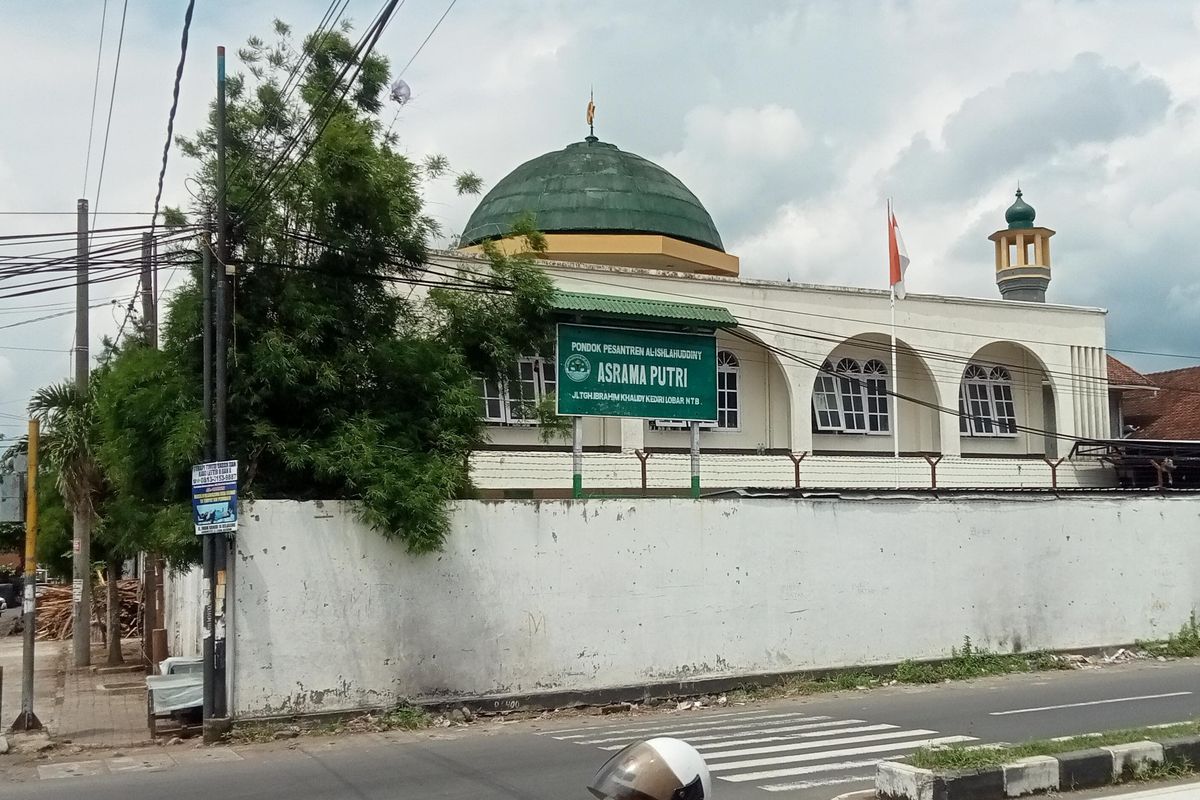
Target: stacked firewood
(56, 611)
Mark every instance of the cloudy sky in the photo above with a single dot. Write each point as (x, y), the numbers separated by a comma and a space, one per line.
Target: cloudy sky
(792, 121)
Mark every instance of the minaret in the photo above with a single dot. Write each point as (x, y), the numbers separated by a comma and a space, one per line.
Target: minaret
(1022, 255)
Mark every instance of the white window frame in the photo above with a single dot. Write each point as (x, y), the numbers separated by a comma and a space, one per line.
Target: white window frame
(729, 366)
(827, 403)
(986, 404)
(853, 398)
(876, 391)
(515, 409)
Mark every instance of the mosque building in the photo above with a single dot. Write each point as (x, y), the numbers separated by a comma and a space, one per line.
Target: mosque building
(986, 392)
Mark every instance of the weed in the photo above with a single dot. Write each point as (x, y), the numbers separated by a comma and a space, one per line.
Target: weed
(1184, 644)
(915, 672)
(852, 680)
(405, 718)
(1158, 771)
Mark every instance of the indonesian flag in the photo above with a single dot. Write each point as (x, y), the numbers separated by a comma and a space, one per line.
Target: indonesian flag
(897, 255)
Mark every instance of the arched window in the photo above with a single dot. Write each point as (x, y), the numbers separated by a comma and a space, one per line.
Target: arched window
(728, 408)
(850, 387)
(985, 403)
(827, 408)
(875, 387)
(852, 397)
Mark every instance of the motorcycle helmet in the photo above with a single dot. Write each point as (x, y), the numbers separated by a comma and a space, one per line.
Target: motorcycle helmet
(654, 769)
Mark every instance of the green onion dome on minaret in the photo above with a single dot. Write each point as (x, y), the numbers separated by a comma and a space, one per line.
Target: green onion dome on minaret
(1020, 214)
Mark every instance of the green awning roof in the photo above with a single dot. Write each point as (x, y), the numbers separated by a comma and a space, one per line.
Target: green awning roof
(642, 310)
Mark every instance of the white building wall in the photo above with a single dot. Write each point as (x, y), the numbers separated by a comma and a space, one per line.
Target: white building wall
(811, 323)
(532, 597)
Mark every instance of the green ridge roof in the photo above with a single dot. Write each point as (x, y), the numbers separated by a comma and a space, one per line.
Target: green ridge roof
(637, 308)
(593, 187)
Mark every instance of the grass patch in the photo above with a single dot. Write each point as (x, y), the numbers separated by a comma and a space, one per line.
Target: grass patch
(1160, 771)
(957, 757)
(965, 662)
(405, 718)
(1184, 644)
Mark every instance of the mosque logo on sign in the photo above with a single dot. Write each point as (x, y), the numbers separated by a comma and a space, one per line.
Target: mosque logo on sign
(577, 368)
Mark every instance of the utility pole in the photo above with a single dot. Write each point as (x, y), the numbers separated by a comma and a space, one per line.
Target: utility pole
(215, 546)
(149, 309)
(149, 562)
(206, 289)
(206, 322)
(27, 720)
(81, 589)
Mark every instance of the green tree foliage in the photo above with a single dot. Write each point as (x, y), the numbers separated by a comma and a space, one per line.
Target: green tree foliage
(346, 380)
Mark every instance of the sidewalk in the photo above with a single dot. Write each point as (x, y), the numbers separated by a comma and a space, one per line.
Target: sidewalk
(47, 657)
(99, 709)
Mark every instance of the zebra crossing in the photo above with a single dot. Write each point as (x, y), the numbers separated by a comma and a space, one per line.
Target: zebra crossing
(774, 750)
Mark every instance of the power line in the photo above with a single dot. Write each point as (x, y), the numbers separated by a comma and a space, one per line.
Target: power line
(843, 318)
(162, 173)
(361, 52)
(72, 213)
(183, 47)
(324, 29)
(87, 163)
(111, 102)
(66, 234)
(427, 38)
(963, 358)
(43, 318)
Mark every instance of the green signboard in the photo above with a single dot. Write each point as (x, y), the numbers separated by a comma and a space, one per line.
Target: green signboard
(625, 372)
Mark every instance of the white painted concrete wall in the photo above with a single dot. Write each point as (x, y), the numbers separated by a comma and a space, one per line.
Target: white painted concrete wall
(554, 595)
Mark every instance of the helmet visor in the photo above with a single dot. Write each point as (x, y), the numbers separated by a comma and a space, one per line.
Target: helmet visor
(636, 773)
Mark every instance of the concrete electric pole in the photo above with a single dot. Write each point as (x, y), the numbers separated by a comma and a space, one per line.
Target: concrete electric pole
(81, 589)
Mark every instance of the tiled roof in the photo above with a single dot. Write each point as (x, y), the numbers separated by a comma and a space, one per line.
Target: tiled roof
(1171, 413)
(1121, 374)
(637, 308)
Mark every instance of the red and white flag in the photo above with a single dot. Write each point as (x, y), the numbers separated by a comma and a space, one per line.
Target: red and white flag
(897, 255)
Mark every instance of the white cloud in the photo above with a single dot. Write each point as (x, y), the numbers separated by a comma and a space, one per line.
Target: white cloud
(791, 121)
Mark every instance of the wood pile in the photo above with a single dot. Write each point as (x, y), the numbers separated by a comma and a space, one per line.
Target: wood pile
(56, 611)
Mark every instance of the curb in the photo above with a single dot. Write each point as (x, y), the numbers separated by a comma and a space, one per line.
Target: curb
(1081, 769)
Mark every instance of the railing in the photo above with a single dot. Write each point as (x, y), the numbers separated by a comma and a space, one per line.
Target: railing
(642, 471)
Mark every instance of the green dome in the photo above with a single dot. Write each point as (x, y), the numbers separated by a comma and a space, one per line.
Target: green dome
(593, 187)
(1020, 214)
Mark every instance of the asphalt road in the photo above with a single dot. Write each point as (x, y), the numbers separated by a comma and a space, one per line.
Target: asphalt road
(803, 749)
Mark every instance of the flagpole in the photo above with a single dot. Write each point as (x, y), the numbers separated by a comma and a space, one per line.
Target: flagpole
(895, 384)
(895, 398)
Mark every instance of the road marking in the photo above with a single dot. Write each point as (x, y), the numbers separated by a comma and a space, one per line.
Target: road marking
(793, 736)
(830, 723)
(838, 766)
(1189, 791)
(705, 716)
(692, 723)
(802, 757)
(788, 787)
(1088, 703)
(738, 738)
(783, 748)
(683, 731)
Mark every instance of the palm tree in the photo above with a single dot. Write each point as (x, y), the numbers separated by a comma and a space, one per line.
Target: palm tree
(70, 443)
